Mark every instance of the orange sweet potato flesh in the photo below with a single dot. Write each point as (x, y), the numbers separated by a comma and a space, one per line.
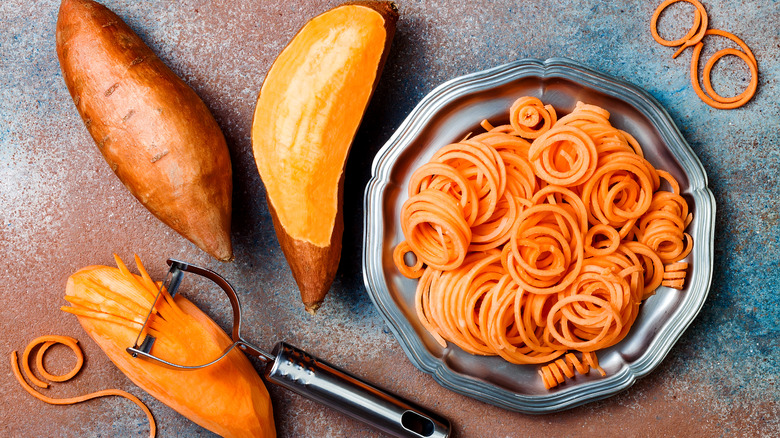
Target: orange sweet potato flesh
(227, 398)
(308, 111)
(153, 130)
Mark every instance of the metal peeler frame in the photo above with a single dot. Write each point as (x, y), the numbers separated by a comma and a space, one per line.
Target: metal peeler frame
(171, 284)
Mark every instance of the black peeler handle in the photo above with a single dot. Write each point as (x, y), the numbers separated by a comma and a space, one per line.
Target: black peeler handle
(315, 379)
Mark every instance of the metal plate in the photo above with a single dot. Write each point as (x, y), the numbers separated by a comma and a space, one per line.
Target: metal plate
(446, 115)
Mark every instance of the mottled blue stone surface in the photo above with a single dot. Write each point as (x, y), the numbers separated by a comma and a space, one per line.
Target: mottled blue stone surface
(61, 208)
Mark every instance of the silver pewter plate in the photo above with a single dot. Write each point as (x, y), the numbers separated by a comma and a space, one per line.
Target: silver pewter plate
(449, 113)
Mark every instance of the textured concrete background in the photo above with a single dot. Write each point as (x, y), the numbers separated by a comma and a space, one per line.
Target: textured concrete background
(61, 208)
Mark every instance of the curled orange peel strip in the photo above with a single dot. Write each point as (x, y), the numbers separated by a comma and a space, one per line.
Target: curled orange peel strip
(47, 341)
(694, 37)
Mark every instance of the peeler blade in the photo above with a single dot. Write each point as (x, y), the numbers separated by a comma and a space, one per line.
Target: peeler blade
(171, 284)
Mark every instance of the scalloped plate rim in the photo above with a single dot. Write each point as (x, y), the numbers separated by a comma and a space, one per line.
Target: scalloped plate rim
(579, 394)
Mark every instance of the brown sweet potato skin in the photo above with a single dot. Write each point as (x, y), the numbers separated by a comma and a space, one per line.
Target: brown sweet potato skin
(153, 130)
(313, 267)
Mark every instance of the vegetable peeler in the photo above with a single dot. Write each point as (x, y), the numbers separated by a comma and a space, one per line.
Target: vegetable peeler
(302, 373)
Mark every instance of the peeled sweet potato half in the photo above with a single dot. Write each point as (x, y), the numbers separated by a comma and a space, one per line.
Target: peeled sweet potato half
(153, 130)
(227, 398)
(308, 111)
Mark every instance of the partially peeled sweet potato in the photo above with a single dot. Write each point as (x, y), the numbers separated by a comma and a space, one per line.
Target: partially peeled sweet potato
(308, 111)
(228, 398)
(153, 130)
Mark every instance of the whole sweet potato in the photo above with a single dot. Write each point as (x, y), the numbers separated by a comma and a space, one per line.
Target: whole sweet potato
(153, 130)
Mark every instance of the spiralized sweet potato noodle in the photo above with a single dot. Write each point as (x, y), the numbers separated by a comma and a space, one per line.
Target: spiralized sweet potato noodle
(674, 275)
(694, 35)
(714, 99)
(531, 250)
(694, 38)
(530, 118)
(43, 343)
(555, 372)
